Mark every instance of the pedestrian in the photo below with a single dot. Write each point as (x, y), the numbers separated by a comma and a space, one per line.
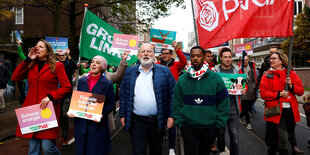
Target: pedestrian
(94, 137)
(209, 60)
(21, 84)
(175, 67)
(233, 121)
(249, 98)
(200, 104)
(266, 64)
(71, 70)
(114, 77)
(44, 75)
(4, 79)
(146, 102)
(281, 106)
(306, 107)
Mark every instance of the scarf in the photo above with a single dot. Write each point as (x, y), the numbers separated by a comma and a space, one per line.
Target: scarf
(197, 74)
(91, 81)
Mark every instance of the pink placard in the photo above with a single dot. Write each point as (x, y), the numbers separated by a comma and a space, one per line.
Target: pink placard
(246, 46)
(33, 119)
(125, 41)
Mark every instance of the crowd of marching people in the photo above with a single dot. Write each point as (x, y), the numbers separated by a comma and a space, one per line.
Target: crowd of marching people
(159, 97)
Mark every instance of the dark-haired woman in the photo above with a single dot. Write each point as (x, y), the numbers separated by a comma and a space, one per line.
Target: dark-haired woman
(44, 75)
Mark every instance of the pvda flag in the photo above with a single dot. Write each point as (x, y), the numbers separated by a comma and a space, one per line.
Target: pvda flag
(97, 38)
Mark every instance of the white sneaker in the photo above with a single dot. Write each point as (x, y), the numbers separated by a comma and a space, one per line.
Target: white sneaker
(249, 127)
(222, 153)
(241, 121)
(171, 152)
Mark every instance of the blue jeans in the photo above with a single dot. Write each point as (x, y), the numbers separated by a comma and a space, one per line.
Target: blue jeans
(233, 127)
(48, 145)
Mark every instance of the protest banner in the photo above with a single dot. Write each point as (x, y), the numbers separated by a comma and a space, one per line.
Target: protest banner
(234, 82)
(18, 36)
(86, 105)
(247, 47)
(162, 39)
(221, 21)
(33, 119)
(97, 38)
(125, 43)
(59, 44)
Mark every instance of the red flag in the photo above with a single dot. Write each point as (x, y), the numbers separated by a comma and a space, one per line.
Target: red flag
(221, 20)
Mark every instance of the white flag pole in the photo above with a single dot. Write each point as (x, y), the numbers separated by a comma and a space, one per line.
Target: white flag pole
(195, 26)
(79, 61)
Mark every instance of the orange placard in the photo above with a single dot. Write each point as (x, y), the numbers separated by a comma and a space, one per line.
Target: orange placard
(86, 105)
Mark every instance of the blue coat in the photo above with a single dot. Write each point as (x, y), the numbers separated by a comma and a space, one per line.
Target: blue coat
(163, 83)
(92, 137)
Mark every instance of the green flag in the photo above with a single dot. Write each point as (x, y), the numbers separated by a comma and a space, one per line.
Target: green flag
(97, 38)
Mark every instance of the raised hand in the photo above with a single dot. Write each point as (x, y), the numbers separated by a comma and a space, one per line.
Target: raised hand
(33, 53)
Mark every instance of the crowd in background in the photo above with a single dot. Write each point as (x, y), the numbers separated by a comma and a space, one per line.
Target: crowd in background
(159, 97)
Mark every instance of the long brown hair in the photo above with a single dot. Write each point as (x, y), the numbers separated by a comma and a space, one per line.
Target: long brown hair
(51, 57)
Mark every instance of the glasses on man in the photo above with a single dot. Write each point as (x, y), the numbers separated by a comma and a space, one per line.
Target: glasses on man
(61, 55)
(165, 53)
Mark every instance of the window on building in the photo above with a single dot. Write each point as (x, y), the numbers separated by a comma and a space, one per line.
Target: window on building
(301, 59)
(19, 18)
(298, 6)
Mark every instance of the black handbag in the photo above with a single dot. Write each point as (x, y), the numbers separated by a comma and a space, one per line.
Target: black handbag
(272, 111)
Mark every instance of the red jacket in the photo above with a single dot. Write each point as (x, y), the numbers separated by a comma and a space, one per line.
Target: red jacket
(178, 65)
(269, 88)
(41, 84)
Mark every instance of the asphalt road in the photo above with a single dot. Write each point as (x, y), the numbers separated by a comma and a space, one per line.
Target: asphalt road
(251, 142)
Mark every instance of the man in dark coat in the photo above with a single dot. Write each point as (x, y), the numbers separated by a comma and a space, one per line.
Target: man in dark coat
(146, 102)
(71, 69)
(4, 79)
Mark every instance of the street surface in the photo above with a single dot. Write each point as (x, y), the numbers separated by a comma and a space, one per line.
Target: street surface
(251, 141)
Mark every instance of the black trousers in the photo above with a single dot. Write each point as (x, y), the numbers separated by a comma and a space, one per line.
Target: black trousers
(197, 141)
(246, 106)
(279, 135)
(144, 131)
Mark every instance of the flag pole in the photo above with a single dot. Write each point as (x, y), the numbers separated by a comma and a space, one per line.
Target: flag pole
(290, 51)
(195, 26)
(79, 60)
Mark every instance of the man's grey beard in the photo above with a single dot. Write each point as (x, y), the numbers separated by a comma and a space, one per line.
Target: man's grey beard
(146, 63)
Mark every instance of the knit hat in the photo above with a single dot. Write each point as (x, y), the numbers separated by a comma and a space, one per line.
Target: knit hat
(103, 61)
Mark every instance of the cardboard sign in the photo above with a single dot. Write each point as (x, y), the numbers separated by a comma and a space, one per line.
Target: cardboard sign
(86, 105)
(59, 44)
(162, 38)
(247, 47)
(33, 119)
(125, 43)
(234, 82)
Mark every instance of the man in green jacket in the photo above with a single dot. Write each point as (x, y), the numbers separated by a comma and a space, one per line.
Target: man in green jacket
(200, 104)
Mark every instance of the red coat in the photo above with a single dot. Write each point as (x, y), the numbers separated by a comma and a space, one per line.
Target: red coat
(269, 88)
(41, 84)
(178, 65)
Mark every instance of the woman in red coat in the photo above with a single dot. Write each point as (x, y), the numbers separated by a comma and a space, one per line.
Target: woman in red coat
(280, 127)
(44, 75)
